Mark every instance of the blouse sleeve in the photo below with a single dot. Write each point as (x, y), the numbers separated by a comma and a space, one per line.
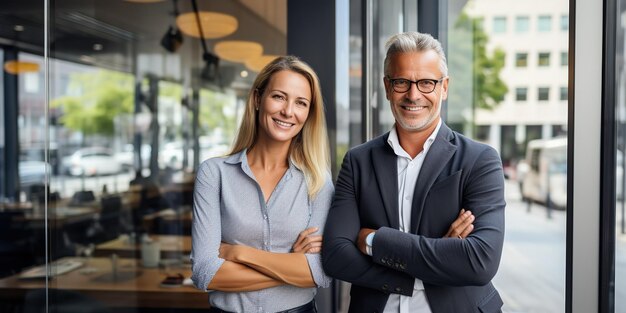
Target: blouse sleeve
(319, 210)
(206, 228)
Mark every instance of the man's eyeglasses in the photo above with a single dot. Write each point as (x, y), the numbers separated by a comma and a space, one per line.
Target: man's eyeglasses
(402, 85)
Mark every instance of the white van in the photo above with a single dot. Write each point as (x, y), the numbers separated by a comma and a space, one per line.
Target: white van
(545, 170)
(545, 174)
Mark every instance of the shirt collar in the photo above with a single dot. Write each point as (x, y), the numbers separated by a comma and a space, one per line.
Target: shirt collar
(394, 141)
(241, 157)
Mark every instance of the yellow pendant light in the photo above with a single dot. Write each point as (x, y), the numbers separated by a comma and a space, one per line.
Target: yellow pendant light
(18, 67)
(238, 50)
(258, 63)
(214, 25)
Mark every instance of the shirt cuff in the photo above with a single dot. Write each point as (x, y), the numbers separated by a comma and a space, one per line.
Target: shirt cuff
(369, 240)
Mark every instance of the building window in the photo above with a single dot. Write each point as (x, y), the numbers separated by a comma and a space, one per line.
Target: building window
(522, 24)
(521, 59)
(565, 23)
(499, 24)
(563, 96)
(544, 23)
(543, 59)
(521, 94)
(543, 93)
(564, 58)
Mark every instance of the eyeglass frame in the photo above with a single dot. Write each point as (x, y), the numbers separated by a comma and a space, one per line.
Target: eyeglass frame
(416, 82)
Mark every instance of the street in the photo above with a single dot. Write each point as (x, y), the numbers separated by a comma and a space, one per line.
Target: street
(531, 278)
(67, 185)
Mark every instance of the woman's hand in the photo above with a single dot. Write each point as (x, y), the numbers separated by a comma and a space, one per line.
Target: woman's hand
(229, 252)
(307, 242)
(462, 226)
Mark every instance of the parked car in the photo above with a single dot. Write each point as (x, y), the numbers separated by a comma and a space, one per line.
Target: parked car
(92, 161)
(172, 153)
(32, 173)
(126, 157)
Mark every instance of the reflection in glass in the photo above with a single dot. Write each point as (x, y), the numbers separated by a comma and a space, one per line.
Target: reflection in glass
(105, 156)
(520, 123)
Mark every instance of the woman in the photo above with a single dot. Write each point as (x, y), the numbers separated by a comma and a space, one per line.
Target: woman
(259, 212)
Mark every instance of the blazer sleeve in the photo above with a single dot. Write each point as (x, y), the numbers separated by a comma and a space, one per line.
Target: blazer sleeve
(340, 255)
(452, 261)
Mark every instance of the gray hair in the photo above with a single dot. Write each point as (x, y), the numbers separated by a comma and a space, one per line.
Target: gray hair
(414, 42)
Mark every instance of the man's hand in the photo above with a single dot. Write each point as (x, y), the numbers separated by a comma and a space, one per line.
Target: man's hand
(462, 226)
(361, 239)
(307, 243)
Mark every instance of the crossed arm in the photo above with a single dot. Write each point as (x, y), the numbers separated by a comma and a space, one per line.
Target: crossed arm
(247, 269)
(398, 258)
(225, 267)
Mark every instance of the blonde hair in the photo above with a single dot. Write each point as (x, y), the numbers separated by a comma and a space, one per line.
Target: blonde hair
(309, 150)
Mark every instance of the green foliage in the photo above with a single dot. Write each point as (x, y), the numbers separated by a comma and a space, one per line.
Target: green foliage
(217, 113)
(94, 99)
(482, 78)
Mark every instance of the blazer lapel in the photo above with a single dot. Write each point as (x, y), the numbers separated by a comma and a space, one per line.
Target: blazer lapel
(437, 157)
(385, 167)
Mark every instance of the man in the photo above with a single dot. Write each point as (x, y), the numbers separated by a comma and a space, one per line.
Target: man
(397, 194)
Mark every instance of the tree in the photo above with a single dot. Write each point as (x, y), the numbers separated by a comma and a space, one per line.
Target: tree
(482, 78)
(217, 113)
(96, 99)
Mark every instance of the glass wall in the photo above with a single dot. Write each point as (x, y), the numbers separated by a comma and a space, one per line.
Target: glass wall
(99, 149)
(504, 92)
(495, 99)
(108, 138)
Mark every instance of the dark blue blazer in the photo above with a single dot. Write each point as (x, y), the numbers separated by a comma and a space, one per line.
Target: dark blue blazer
(457, 173)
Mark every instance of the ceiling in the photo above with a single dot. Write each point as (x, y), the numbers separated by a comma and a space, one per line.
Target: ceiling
(123, 30)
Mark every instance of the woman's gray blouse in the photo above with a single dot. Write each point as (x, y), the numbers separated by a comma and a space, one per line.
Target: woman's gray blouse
(229, 206)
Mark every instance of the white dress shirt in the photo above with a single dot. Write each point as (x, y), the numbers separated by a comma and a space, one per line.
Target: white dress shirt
(408, 171)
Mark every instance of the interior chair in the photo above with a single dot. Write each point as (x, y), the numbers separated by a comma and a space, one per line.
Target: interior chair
(53, 197)
(108, 225)
(34, 191)
(110, 216)
(82, 197)
(16, 243)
